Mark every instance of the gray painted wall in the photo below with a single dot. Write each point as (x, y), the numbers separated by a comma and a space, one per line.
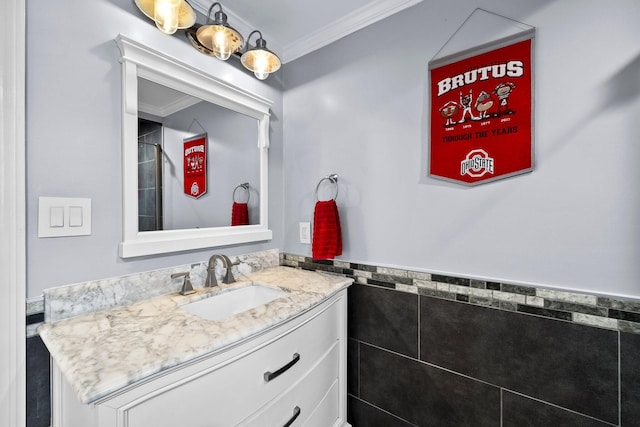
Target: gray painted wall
(232, 158)
(572, 223)
(73, 134)
(575, 214)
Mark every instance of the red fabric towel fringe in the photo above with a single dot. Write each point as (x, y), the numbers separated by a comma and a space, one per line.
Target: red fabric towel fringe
(239, 214)
(327, 233)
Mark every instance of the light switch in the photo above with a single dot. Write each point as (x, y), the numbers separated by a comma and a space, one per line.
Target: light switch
(75, 216)
(56, 216)
(64, 216)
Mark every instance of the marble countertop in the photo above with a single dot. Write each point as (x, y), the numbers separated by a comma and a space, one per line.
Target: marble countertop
(104, 351)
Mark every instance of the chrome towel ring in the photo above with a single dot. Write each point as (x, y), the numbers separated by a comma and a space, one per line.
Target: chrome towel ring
(244, 186)
(333, 179)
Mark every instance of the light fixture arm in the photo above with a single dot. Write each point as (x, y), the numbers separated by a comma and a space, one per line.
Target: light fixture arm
(219, 17)
(260, 42)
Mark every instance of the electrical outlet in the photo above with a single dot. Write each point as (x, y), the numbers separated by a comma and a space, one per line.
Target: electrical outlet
(305, 232)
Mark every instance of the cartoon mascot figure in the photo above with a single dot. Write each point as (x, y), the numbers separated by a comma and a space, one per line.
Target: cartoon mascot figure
(503, 91)
(448, 111)
(465, 101)
(483, 104)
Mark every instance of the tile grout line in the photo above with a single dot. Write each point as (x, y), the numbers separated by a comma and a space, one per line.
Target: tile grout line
(358, 367)
(559, 407)
(418, 328)
(366, 402)
(619, 378)
(501, 407)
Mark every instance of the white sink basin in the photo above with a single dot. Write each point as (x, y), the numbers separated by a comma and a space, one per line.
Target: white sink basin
(233, 302)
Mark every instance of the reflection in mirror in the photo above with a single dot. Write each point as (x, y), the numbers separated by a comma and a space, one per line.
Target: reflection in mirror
(149, 175)
(236, 123)
(166, 119)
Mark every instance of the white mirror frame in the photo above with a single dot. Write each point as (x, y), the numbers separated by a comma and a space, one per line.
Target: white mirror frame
(139, 60)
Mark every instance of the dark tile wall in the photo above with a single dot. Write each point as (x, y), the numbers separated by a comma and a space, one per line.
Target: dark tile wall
(38, 386)
(630, 379)
(363, 414)
(368, 310)
(422, 394)
(481, 366)
(520, 411)
(443, 358)
(566, 364)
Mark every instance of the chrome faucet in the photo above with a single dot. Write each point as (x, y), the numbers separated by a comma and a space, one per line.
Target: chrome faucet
(211, 271)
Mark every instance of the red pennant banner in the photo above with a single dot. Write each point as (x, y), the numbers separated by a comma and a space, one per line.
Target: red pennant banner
(481, 115)
(195, 165)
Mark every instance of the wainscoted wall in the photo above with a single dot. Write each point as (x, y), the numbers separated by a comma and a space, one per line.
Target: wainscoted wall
(443, 351)
(428, 350)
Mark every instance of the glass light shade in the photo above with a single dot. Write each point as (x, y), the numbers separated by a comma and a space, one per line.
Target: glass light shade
(220, 43)
(261, 61)
(185, 14)
(222, 40)
(166, 14)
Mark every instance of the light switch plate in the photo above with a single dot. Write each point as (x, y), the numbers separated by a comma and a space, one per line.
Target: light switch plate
(64, 216)
(305, 232)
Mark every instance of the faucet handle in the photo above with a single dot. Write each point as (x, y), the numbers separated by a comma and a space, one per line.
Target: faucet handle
(187, 288)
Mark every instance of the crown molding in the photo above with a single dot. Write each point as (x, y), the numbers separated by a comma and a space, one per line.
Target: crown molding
(344, 26)
(168, 109)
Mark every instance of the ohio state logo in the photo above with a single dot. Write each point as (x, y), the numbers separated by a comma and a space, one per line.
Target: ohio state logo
(476, 164)
(195, 189)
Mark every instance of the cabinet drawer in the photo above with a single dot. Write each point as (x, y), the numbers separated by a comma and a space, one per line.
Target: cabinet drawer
(299, 402)
(224, 394)
(326, 413)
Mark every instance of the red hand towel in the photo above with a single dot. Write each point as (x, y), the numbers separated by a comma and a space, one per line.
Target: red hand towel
(239, 214)
(327, 234)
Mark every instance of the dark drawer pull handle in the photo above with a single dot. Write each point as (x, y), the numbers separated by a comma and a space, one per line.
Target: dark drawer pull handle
(268, 376)
(296, 414)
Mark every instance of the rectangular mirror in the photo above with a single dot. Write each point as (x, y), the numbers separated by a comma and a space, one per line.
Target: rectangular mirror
(165, 103)
(167, 198)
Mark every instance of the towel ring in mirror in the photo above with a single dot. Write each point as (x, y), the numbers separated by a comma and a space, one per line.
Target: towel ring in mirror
(244, 186)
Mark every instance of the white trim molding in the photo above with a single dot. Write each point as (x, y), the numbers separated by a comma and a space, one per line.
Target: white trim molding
(12, 214)
(358, 19)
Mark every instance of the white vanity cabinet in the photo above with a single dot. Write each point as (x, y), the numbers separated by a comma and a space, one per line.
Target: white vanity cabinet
(293, 374)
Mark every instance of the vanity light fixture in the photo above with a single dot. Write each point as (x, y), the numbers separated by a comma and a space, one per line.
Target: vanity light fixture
(259, 59)
(169, 15)
(218, 36)
(215, 38)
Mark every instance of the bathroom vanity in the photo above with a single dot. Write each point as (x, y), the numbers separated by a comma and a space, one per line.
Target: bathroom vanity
(156, 363)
